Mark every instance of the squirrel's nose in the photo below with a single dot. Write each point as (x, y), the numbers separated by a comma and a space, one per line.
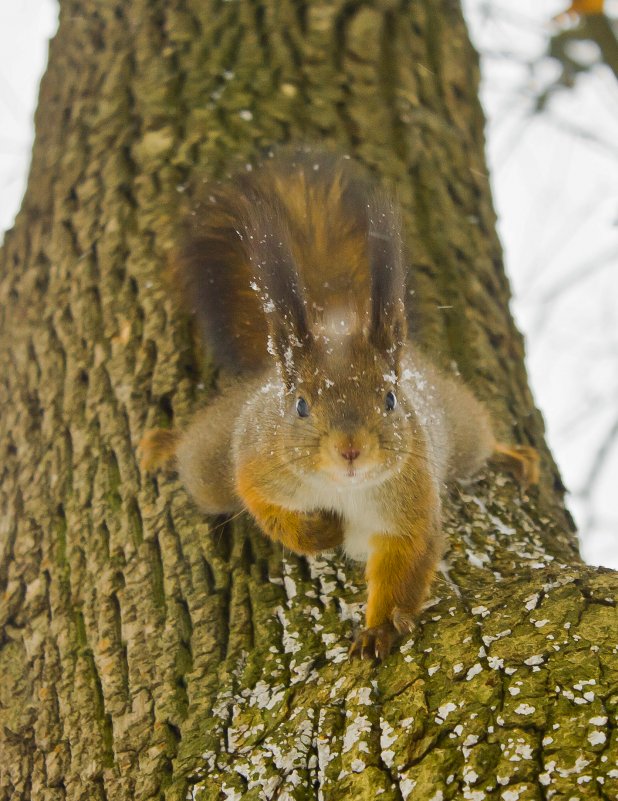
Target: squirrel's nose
(350, 454)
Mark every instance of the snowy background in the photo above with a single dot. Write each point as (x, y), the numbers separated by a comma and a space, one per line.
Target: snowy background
(555, 179)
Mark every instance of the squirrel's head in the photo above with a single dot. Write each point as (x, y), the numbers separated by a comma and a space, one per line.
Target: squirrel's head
(343, 419)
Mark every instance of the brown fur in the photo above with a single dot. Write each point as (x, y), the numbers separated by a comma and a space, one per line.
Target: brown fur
(323, 249)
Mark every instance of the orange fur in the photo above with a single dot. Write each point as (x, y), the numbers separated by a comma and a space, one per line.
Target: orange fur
(520, 460)
(300, 532)
(158, 447)
(399, 572)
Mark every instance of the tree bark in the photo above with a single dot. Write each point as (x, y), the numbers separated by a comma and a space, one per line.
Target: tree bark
(148, 653)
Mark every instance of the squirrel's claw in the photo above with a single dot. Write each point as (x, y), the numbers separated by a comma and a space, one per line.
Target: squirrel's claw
(403, 620)
(374, 643)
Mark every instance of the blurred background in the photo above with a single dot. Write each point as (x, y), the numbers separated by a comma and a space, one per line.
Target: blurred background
(550, 93)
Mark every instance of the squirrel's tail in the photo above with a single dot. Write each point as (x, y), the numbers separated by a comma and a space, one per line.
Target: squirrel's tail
(303, 225)
(213, 269)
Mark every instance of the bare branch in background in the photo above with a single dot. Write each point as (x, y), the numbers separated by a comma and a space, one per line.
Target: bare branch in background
(571, 47)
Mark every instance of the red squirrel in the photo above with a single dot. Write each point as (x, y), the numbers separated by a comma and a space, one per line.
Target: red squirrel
(334, 430)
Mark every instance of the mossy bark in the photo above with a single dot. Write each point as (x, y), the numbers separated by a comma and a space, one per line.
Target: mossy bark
(147, 653)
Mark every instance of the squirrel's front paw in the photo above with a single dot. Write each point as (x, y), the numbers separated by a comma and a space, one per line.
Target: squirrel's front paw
(374, 643)
(522, 461)
(325, 531)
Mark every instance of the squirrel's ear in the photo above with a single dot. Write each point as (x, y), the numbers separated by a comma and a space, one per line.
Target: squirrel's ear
(387, 330)
(283, 299)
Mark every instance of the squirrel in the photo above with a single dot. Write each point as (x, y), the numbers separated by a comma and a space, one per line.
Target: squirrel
(333, 429)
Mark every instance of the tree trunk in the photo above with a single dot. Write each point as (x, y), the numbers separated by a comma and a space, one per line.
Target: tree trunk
(148, 653)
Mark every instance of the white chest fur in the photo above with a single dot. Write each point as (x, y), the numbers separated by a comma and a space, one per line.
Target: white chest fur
(363, 513)
(362, 520)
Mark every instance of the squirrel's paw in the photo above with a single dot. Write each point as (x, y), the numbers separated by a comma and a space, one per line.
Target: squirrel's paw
(521, 461)
(325, 532)
(374, 643)
(158, 447)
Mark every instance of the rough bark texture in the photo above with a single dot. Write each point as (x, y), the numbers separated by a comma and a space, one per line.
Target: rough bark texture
(147, 653)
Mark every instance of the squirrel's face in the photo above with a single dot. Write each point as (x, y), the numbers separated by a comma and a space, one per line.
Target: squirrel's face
(344, 420)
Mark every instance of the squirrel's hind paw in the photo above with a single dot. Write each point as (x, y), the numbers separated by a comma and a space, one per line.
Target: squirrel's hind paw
(521, 461)
(158, 447)
(374, 643)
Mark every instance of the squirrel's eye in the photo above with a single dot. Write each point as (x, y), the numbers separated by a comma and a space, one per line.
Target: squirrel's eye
(302, 407)
(391, 401)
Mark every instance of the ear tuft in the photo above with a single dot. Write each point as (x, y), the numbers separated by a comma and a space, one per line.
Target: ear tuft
(387, 329)
(278, 285)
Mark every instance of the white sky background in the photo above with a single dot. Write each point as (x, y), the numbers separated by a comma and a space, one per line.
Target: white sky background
(555, 179)
(25, 27)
